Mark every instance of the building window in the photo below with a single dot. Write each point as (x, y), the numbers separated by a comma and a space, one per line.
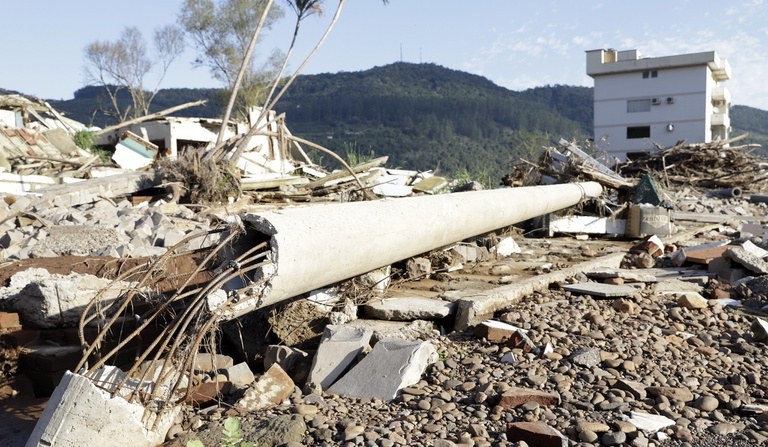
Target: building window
(654, 74)
(638, 105)
(646, 73)
(650, 74)
(638, 132)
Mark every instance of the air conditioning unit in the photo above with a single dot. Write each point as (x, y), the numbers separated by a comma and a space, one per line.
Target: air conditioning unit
(670, 100)
(655, 101)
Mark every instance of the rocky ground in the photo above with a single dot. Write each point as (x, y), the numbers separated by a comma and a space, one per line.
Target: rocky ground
(702, 368)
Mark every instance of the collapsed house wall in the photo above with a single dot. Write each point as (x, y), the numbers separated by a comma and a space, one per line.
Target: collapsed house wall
(311, 247)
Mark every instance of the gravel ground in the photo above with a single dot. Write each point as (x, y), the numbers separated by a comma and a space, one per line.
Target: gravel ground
(653, 341)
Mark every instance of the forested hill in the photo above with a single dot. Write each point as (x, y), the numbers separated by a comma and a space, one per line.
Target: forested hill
(428, 117)
(423, 116)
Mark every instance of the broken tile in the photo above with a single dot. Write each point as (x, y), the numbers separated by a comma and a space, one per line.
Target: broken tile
(747, 259)
(516, 397)
(391, 365)
(539, 434)
(270, 390)
(338, 349)
(407, 308)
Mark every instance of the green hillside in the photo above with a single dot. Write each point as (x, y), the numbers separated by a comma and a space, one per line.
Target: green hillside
(423, 116)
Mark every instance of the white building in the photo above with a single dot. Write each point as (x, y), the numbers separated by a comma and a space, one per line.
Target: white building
(639, 101)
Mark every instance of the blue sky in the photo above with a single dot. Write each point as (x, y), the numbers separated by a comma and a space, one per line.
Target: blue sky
(517, 44)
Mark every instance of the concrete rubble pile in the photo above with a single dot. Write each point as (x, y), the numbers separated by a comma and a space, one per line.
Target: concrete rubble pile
(430, 309)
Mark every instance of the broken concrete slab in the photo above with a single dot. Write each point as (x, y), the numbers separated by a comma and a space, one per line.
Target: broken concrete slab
(404, 330)
(88, 191)
(407, 308)
(338, 349)
(705, 254)
(52, 300)
(80, 412)
(208, 362)
(750, 262)
(391, 366)
(474, 307)
(602, 290)
(270, 389)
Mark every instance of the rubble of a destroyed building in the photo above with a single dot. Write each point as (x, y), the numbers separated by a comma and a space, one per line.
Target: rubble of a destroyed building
(420, 319)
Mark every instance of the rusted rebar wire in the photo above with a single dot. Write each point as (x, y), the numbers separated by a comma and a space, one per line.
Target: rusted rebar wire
(137, 331)
(128, 299)
(192, 313)
(84, 320)
(202, 292)
(180, 325)
(171, 331)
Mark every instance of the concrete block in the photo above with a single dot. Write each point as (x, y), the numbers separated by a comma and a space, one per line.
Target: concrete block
(269, 390)
(208, 362)
(52, 300)
(407, 308)
(239, 375)
(391, 365)
(338, 349)
(80, 413)
(418, 268)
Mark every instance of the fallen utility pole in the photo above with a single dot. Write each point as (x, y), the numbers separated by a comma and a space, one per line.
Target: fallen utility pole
(314, 246)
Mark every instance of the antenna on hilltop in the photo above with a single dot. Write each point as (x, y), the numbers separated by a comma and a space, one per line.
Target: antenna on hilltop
(401, 52)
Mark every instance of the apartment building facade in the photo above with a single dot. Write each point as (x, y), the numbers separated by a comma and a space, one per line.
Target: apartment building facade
(642, 102)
